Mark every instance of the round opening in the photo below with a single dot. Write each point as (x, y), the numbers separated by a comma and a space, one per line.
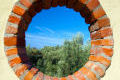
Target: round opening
(58, 41)
(100, 33)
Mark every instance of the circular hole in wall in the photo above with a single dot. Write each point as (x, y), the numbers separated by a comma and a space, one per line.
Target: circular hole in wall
(58, 41)
(100, 31)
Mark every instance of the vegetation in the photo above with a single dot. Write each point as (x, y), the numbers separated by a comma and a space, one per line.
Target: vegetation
(62, 60)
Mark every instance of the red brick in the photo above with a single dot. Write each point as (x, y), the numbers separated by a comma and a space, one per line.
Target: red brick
(22, 26)
(32, 11)
(70, 77)
(37, 6)
(100, 50)
(98, 13)
(39, 76)
(27, 18)
(20, 70)
(79, 76)
(89, 65)
(26, 3)
(90, 19)
(101, 33)
(97, 68)
(88, 73)
(46, 77)
(70, 3)
(54, 3)
(30, 74)
(11, 30)
(14, 20)
(83, 1)
(12, 51)
(100, 59)
(15, 61)
(10, 41)
(63, 78)
(99, 24)
(15, 51)
(92, 4)
(46, 4)
(62, 2)
(18, 10)
(13, 41)
(55, 78)
(102, 42)
(78, 6)
(103, 22)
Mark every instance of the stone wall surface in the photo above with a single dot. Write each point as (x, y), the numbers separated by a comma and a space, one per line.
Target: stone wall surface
(112, 9)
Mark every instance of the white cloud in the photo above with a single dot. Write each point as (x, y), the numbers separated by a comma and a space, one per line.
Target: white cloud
(43, 39)
(50, 30)
(44, 29)
(40, 28)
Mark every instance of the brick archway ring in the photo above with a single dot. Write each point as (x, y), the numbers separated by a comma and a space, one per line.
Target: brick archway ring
(100, 31)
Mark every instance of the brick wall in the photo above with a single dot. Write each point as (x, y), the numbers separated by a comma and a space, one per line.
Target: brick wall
(100, 31)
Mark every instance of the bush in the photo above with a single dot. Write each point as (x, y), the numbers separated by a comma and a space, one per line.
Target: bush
(62, 60)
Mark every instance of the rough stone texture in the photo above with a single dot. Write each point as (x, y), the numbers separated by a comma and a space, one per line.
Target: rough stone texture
(92, 75)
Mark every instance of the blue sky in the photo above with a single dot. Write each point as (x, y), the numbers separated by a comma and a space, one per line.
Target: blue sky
(51, 27)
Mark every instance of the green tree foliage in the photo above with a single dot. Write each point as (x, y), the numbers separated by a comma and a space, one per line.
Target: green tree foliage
(62, 60)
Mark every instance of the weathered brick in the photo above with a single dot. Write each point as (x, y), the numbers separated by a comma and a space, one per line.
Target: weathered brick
(54, 3)
(99, 12)
(14, 41)
(18, 10)
(26, 3)
(30, 74)
(90, 19)
(37, 6)
(12, 51)
(32, 11)
(79, 75)
(10, 41)
(46, 4)
(88, 73)
(83, 1)
(102, 42)
(63, 78)
(11, 30)
(100, 50)
(70, 77)
(96, 67)
(55, 78)
(78, 6)
(85, 13)
(46, 77)
(92, 4)
(104, 22)
(99, 70)
(105, 32)
(14, 19)
(20, 70)
(62, 2)
(27, 18)
(89, 65)
(15, 61)
(39, 76)
(70, 3)
(100, 59)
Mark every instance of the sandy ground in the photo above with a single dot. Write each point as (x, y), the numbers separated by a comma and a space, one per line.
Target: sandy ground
(112, 8)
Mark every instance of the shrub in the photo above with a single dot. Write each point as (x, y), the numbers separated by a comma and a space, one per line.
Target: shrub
(62, 60)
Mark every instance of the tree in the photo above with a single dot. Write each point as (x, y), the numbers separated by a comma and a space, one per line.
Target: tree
(61, 60)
